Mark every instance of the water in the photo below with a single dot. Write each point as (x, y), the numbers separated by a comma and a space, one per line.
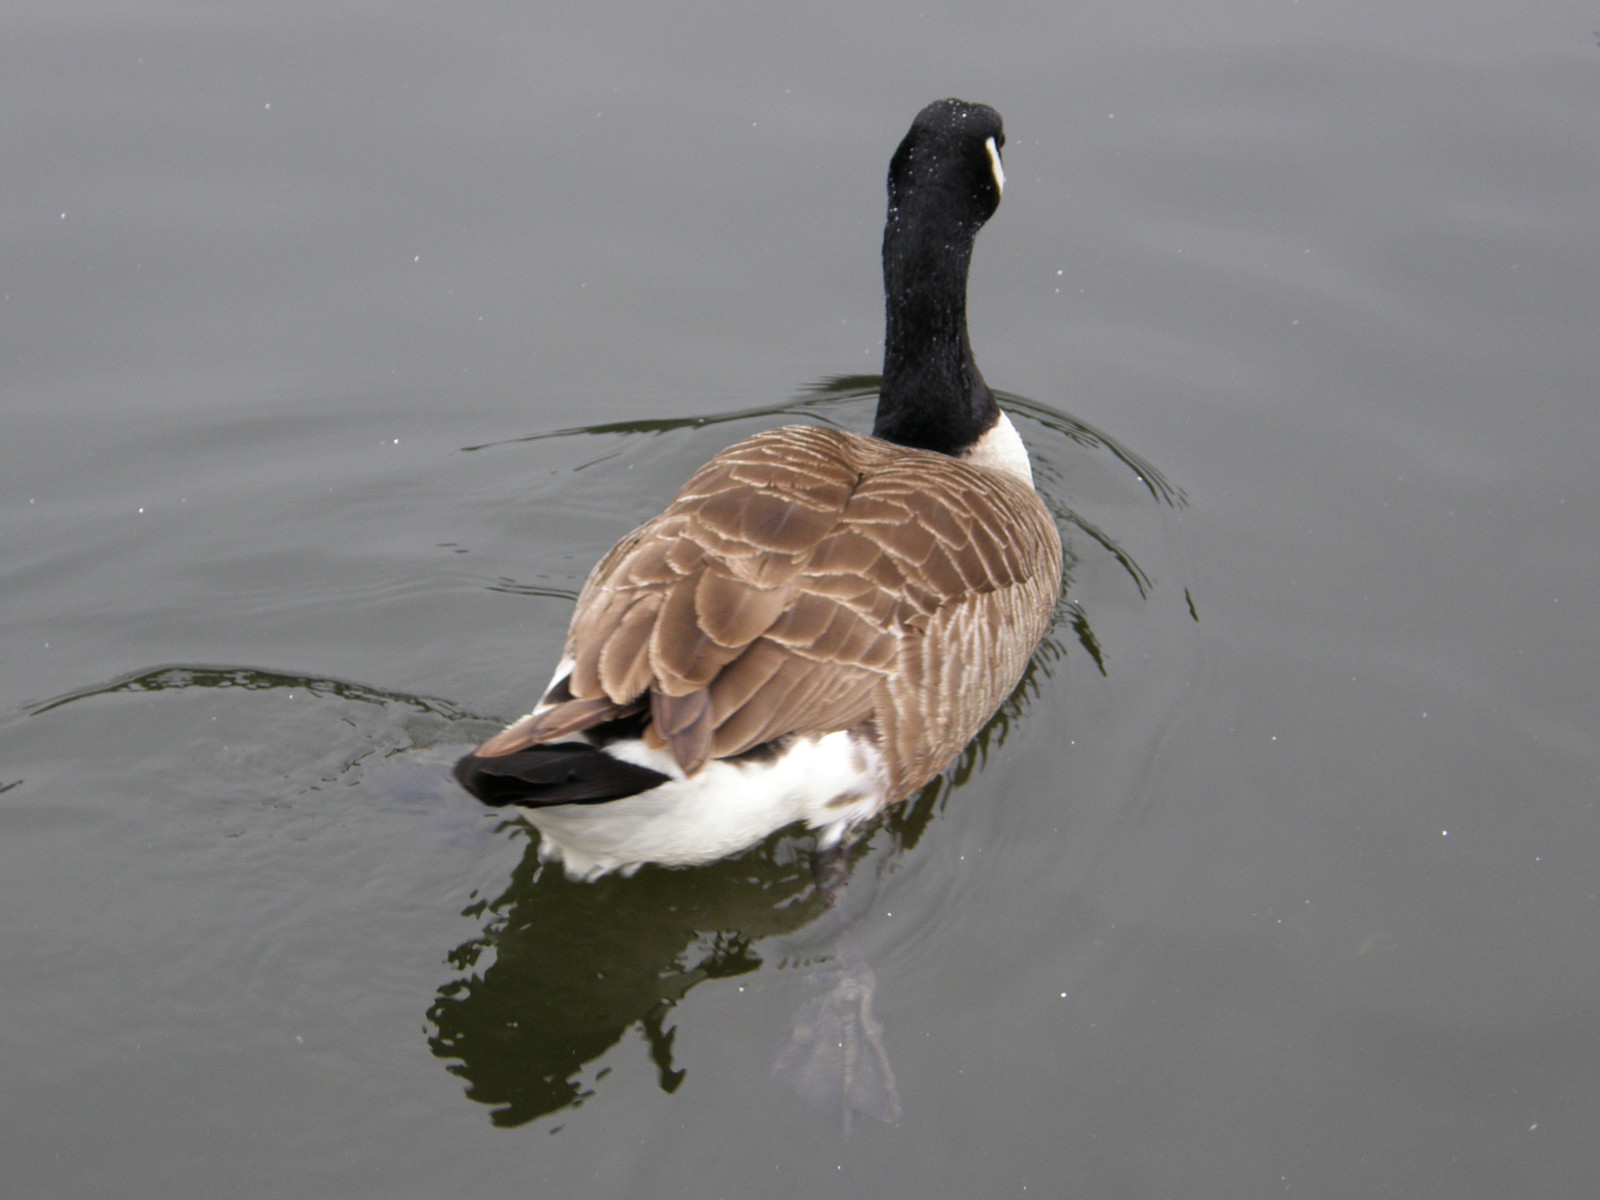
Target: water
(339, 345)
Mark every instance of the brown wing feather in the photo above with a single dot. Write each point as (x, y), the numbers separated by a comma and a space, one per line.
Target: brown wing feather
(807, 580)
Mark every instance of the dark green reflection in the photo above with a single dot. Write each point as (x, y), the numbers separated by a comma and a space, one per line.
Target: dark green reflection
(563, 971)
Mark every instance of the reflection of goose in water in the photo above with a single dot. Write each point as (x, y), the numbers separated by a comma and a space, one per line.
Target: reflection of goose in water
(821, 621)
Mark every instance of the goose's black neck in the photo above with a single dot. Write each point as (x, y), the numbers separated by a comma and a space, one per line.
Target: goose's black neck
(943, 185)
(932, 395)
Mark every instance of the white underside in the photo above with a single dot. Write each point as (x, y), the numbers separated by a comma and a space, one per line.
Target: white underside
(829, 783)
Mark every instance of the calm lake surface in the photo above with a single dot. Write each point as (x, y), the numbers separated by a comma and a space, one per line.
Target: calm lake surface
(339, 342)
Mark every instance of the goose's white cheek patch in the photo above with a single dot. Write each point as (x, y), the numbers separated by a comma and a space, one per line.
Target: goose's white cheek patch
(994, 165)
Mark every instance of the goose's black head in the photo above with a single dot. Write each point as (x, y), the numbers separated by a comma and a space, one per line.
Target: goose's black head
(946, 173)
(944, 183)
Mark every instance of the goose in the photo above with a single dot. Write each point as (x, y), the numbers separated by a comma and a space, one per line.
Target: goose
(821, 621)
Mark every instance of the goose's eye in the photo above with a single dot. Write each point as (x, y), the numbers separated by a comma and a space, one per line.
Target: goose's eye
(993, 148)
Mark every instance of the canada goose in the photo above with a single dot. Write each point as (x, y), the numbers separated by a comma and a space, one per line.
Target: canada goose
(819, 622)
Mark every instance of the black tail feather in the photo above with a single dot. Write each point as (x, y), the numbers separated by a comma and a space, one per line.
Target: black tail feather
(556, 773)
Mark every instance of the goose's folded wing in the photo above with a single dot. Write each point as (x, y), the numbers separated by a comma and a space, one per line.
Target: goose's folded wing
(980, 572)
(780, 592)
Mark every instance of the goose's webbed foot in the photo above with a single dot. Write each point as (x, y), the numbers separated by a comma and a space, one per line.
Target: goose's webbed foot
(835, 1056)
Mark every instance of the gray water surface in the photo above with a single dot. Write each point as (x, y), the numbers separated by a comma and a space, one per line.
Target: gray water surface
(339, 343)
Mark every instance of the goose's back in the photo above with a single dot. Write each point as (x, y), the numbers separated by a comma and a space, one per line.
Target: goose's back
(808, 580)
